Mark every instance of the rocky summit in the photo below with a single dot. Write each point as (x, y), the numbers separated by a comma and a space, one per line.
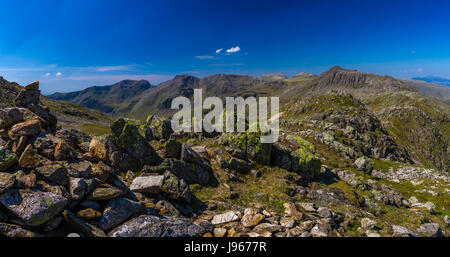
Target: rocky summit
(358, 155)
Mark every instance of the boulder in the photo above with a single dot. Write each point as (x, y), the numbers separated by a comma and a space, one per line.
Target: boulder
(287, 222)
(33, 85)
(291, 210)
(240, 166)
(301, 160)
(29, 158)
(162, 129)
(25, 180)
(7, 159)
(307, 206)
(399, 231)
(55, 173)
(97, 149)
(19, 145)
(102, 171)
(77, 190)
(325, 212)
(7, 181)
(127, 135)
(45, 145)
(367, 223)
(13, 230)
(26, 128)
(251, 218)
(33, 207)
(104, 194)
(63, 151)
(189, 155)
(52, 224)
(225, 217)
(431, 230)
(152, 226)
(176, 189)
(89, 214)
(173, 149)
(9, 117)
(52, 188)
(91, 205)
(147, 184)
(124, 162)
(87, 229)
(117, 211)
(27, 97)
(220, 232)
(80, 169)
(190, 172)
(250, 144)
(364, 164)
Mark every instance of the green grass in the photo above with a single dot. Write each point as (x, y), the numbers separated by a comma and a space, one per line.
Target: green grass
(271, 184)
(91, 129)
(384, 165)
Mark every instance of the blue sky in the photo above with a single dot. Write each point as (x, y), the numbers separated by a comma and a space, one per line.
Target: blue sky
(70, 45)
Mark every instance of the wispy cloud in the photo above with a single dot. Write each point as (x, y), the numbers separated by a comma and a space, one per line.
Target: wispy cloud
(58, 74)
(204, 57)
(420, 70)
(226, 64)
(115, 78)
(234, 49)
(114, 68)
(47, 74)
(219, 50)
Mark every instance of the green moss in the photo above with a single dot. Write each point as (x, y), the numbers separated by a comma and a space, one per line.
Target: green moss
(303, 144)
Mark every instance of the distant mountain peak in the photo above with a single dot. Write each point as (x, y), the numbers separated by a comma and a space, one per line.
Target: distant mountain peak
(273, 76)
(354, 81)
(303, 74)
(339, 69)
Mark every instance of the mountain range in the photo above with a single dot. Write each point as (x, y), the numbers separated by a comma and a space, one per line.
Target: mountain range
(388, 97)
(138, 99)
(359, 154)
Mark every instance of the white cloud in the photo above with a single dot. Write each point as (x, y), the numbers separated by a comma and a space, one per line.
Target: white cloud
(219, 50)
(58, 74)
(47, 74)
(234, 49)
(204, 57)
(114, 68)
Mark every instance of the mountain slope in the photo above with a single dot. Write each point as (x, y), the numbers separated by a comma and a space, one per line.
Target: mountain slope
(105, 98)
(439, 92)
